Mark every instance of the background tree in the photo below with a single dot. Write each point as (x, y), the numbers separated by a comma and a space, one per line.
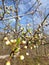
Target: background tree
(30, 11)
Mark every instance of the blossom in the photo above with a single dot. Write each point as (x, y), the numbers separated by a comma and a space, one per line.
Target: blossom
(25, 47)
(24, 42)
(31, 47)
(34, 46)
(8, 42)
(13, 40)
(8, 63)
(5, 38)
(27, 53)
(21, 57)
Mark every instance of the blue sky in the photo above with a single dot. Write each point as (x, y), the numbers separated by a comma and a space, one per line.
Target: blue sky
(24, 6)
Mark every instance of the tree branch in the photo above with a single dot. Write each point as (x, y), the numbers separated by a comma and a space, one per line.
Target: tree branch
(32, 12)
(6, 56)
(41, 24)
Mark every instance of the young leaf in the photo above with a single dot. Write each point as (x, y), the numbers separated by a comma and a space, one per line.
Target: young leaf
(18, 41)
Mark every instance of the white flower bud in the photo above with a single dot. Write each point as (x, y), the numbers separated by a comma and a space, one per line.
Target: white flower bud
(8, 63)
(25, 47)
(8, 42)
(27, 53)
(5, 38)
(24, 42)
(21, 57)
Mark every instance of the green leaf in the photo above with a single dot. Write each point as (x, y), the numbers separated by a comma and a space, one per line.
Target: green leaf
(29, 30)
(18, 41)
(8, 12)
(17, 49)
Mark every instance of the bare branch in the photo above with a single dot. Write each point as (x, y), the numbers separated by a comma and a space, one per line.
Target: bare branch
(32, 12)
(39, 26)
(6, 56)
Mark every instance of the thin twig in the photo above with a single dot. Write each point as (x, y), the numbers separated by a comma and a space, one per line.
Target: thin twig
(32, 12)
